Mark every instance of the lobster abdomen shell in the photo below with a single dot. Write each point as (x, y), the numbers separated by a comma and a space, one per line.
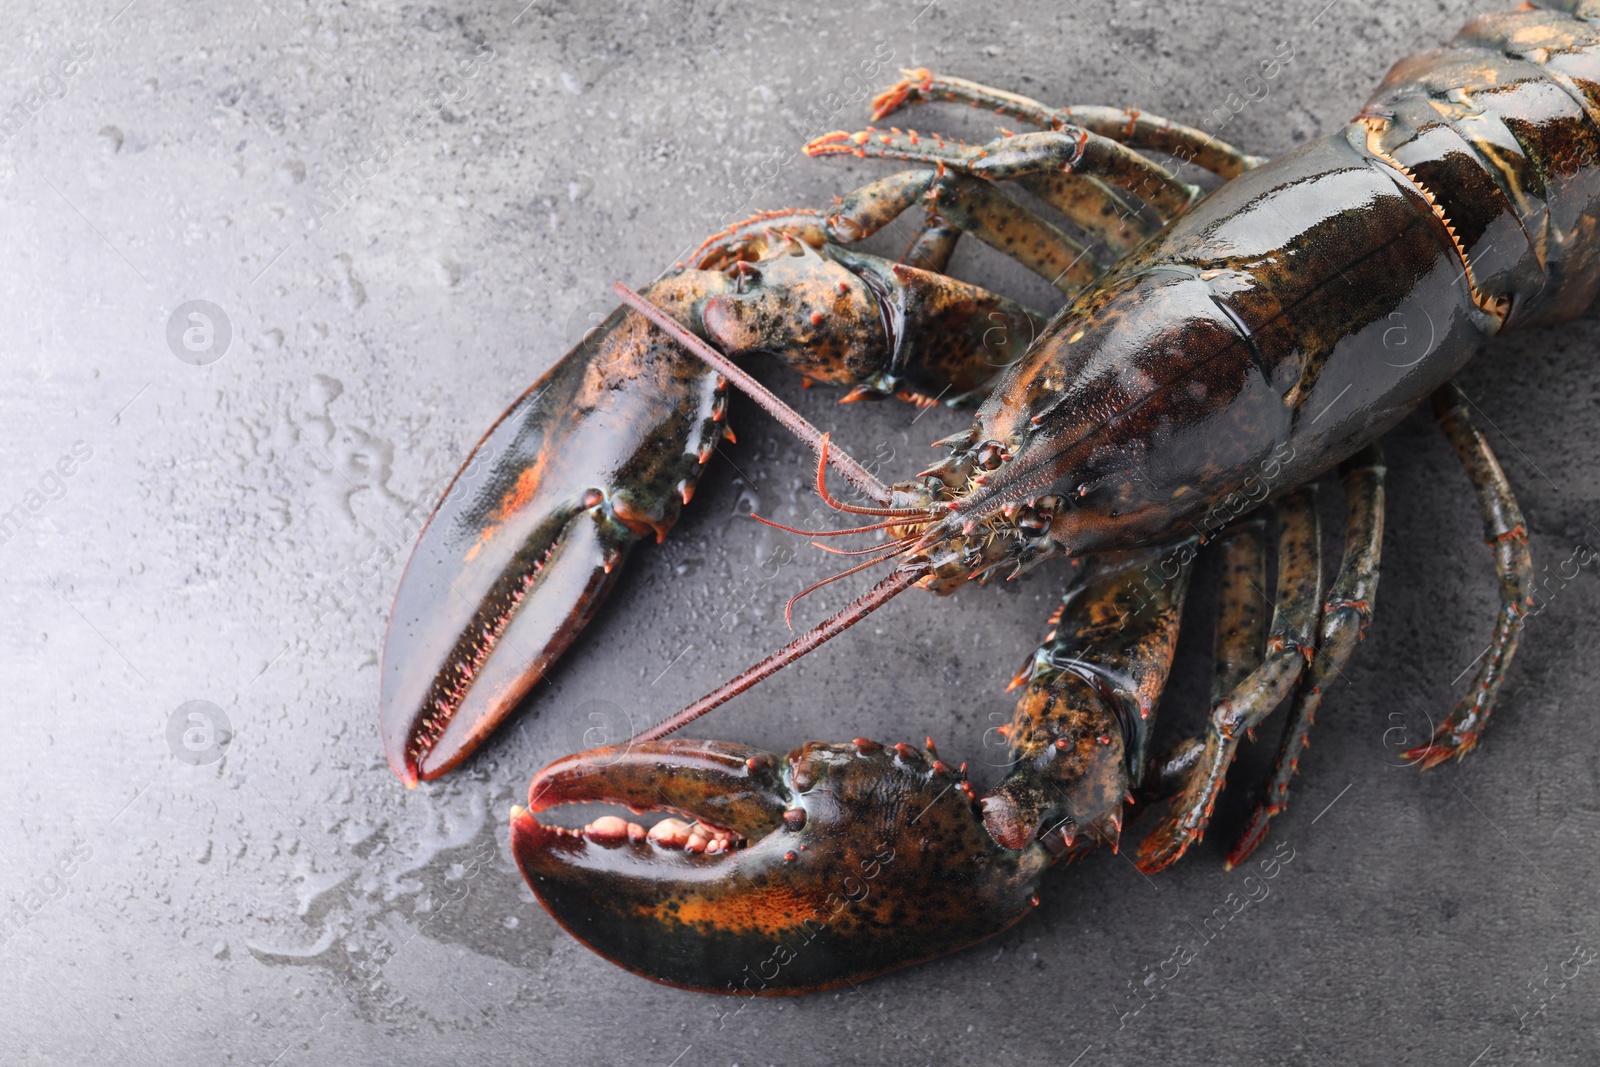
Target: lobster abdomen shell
(1501, 129)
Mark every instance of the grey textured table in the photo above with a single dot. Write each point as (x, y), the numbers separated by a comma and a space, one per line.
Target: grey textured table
(400, 215)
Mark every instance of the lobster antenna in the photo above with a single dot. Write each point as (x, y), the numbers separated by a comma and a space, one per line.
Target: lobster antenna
(792, 420)
(899, 581)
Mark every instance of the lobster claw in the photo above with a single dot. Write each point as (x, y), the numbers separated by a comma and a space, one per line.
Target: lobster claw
(832, 865)
(604, 449)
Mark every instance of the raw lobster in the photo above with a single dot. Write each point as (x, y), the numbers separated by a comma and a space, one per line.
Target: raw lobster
(1216, 353)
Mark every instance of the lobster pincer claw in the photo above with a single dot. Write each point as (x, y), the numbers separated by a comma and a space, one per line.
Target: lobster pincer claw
(831, 865)
(605, 449)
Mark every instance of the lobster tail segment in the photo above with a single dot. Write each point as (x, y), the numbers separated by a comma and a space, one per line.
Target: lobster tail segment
(1500, 134)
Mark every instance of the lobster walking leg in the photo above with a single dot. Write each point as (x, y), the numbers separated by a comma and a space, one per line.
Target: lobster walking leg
(1241, 629)
(1098, 210)
(1076, 189)
(966, 204)
(933, 245)
(1503, 529)
(1071, 150)
(1002, 224)
(1299, 598)
(978, 209)
(1237, 645)
(1345, 615)
(752, 238)
(1136, 129)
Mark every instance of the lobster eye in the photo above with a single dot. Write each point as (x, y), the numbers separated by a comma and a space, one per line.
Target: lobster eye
(991, 454)
(1033, 522)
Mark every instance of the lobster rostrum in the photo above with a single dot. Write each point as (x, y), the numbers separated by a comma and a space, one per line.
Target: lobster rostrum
(1216, 352)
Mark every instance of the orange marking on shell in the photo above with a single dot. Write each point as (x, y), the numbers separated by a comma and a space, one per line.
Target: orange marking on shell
(769, 912)
(522, 492)
(514, 500)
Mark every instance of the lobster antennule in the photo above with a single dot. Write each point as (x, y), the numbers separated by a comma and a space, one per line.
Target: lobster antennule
(885, 525)
(791, 420)
(882, 557)
(901, 544)
(897, 582)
